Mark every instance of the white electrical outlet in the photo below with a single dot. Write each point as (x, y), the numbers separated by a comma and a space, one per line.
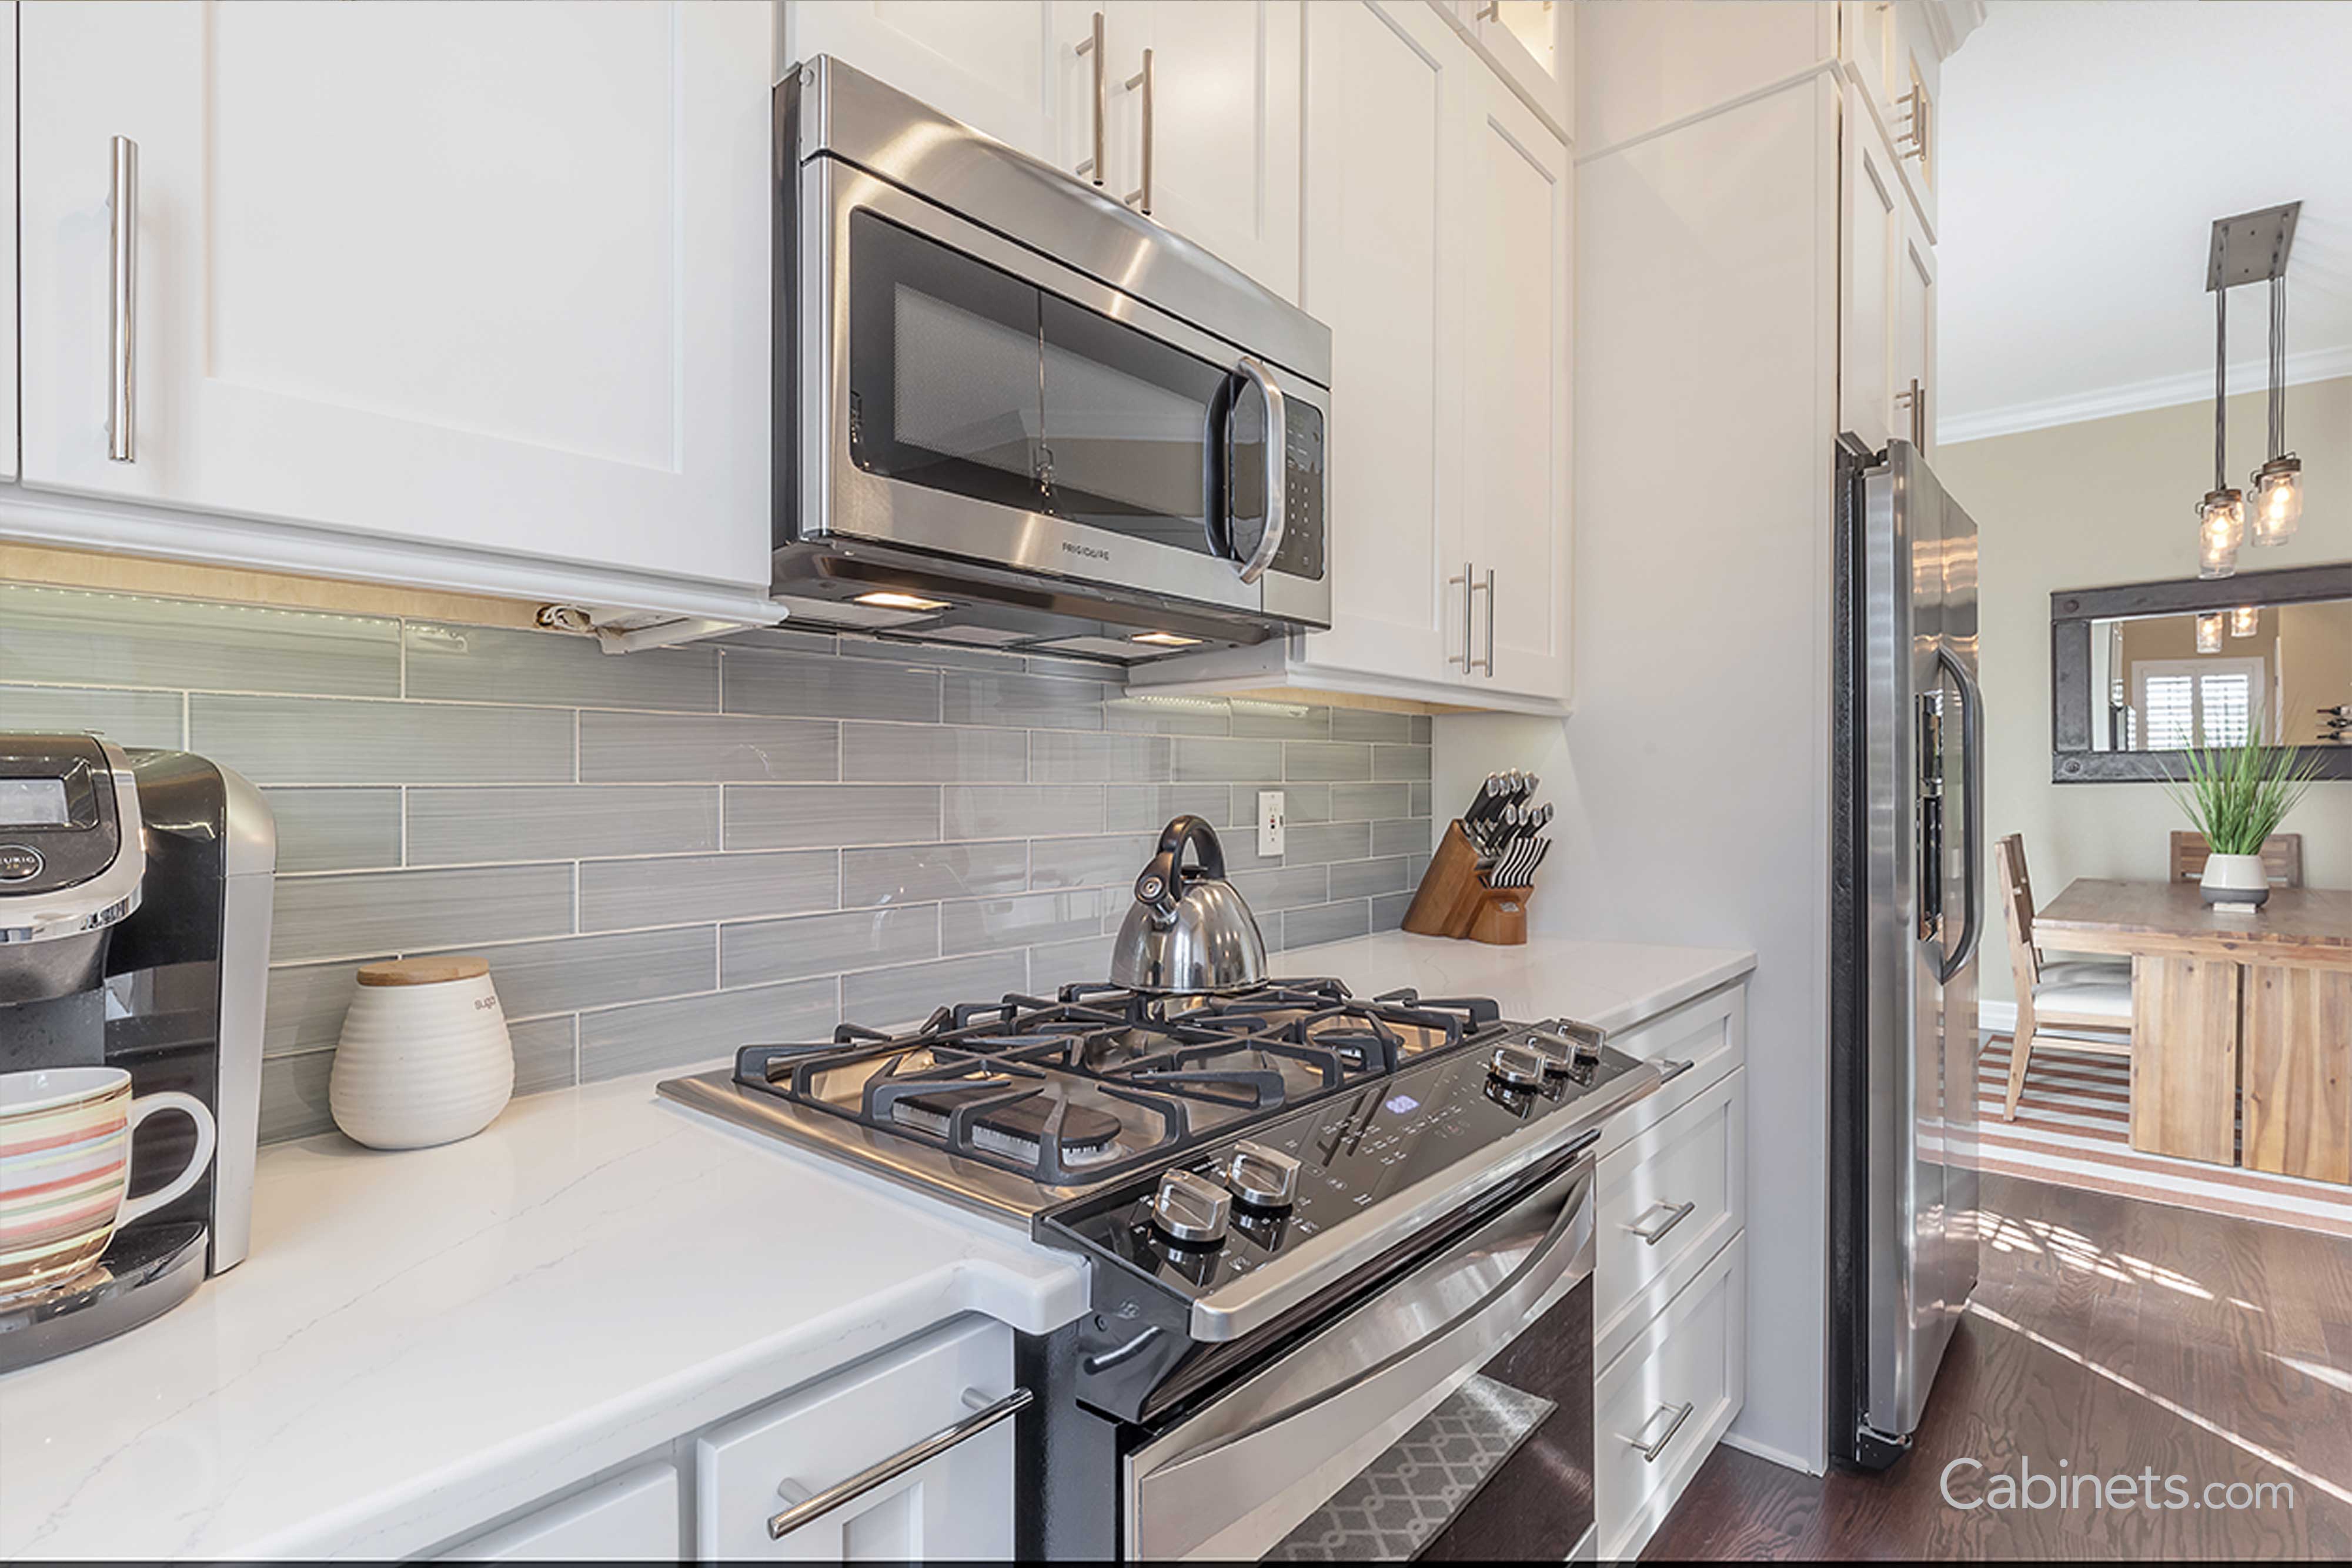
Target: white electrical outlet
(1269, 822)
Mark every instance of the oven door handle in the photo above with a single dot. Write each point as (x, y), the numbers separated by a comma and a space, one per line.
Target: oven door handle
(1298, 1445)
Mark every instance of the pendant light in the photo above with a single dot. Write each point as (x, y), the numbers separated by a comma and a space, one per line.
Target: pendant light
(2245, 621)
(2222, 514)
(2249, 248)
(2209, 632)
(2278, 483)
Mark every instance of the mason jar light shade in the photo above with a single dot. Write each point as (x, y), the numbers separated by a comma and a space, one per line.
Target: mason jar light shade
(2209, 632)
(2245, 621)
(2221, 527)
(2278, 499)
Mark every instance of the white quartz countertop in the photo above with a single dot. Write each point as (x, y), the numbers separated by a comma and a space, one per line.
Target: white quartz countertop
(423, 1340)
(1611, 984)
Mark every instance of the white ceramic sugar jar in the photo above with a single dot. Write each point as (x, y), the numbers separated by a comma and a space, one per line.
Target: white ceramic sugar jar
(425, 1057)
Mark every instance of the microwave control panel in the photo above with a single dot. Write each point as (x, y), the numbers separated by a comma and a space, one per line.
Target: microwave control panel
(1301, 554)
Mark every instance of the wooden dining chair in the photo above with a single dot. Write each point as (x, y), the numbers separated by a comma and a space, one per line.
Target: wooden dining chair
(2090, 994)
(2282, 858)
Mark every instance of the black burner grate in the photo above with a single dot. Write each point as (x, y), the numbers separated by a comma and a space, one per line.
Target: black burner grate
(1036, 1086)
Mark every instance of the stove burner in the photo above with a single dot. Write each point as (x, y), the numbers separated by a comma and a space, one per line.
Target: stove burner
(1102, 1080)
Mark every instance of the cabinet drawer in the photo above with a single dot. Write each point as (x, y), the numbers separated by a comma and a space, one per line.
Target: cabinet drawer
(1664, 1204)
(631, 1518)
(1709, 1033)
(1659, 1408)
(957, 1504)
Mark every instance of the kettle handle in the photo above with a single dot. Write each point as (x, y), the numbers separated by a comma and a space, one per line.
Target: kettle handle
(1158, 885)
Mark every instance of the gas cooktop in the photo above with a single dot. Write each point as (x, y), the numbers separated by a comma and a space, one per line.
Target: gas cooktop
(1023, 1103)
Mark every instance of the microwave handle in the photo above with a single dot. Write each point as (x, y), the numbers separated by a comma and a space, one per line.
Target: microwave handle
(1277, 449)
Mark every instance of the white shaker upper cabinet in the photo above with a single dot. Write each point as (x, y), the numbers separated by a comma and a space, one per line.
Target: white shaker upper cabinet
(1914, 332)
(1009, 67)
(1533, 43)
(486, 275)
(1870, 222)
(1386, 109)
(1220, 124)
(7, 251)
(1520, 213)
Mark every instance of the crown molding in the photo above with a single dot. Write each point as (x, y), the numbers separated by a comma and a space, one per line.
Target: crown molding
(1950, 23)
(2131, 397)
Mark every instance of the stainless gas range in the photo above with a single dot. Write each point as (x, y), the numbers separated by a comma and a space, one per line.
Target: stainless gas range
(1332, 1239)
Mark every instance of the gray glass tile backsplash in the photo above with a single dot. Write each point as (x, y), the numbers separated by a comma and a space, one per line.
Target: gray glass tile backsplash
(668, 854)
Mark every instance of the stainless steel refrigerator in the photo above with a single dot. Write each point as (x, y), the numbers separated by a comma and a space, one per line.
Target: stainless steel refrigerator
(1909, 912)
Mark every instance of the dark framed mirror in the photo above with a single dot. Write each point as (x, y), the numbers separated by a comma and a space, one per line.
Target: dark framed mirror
(2140, 673)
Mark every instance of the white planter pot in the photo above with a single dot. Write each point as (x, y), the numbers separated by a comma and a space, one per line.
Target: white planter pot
(2236, 882)
(425, 1057)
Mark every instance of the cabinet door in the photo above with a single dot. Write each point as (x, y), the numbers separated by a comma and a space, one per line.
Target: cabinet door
(1871, 219)
(1223, 125)
(1532, 42)
(1385, 115)
(1519, 211)
(631, 1518)
(1009, 67)
(8, 248)
(1915, 77)
(957, 1504)
(488, 275)
(1915, 332)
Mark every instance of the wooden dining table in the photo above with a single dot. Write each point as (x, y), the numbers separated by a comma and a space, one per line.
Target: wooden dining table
(2242, 1024)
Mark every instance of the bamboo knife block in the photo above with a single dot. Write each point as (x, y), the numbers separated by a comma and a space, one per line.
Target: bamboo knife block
(1453, 902)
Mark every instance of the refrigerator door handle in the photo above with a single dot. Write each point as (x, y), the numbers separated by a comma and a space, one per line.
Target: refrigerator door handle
(1972, 814)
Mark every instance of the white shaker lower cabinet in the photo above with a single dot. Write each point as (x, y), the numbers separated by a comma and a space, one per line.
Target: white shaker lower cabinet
(1670, 1303)
(631, 1518)
(491, 289)
(957, 1504)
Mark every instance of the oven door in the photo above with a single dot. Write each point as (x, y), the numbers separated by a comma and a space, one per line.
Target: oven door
(1450, 1416)
(970, 398)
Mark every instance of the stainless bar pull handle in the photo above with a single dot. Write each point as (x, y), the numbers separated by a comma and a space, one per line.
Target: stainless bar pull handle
(1470, 589)
(1093, 45)
(1140, 197)
(1490, 622)
(819, 1504)
(1653, 1234)
(1670, 1071)
(1915, 399)
(1650, 1451)
(122, 292)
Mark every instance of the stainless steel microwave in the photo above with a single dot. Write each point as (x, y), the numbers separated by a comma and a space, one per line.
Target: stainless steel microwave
(1013, 413)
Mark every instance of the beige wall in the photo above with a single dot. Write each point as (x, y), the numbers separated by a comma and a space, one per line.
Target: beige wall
(2110, 501)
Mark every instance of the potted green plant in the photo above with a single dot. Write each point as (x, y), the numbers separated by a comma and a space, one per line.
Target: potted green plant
(2237, 796)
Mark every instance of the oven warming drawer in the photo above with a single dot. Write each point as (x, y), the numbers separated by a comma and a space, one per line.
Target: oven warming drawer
(1235, 1479)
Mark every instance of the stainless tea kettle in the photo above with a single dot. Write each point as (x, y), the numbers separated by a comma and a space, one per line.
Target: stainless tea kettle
(1190, 931)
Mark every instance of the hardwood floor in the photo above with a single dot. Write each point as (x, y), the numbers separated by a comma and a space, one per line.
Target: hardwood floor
(2117, 1336)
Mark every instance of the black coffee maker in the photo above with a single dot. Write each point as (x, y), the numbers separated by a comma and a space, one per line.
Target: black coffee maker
(134, 933)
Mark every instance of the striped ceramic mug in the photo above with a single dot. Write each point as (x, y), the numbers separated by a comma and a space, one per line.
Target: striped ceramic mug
(65, 1167)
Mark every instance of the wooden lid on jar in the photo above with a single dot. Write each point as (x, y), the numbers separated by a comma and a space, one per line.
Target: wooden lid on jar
(424, 971)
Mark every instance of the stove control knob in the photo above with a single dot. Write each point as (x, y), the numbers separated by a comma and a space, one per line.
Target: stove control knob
(1261, 1177)
(1578, 1043)
(1516, 1065)
(1191, 1210)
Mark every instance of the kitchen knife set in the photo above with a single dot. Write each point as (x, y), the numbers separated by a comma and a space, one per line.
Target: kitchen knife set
(1477, 882)
(1502, 824)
